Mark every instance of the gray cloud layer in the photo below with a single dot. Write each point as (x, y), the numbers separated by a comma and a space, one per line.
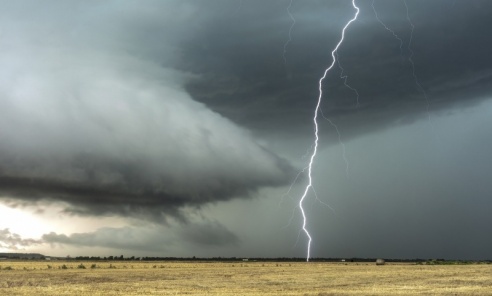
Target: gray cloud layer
(96, 101)
(242, 67)
(149, 238)
(87, 120)
(14, 241)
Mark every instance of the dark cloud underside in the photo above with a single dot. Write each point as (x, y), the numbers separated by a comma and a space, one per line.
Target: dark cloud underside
(92, 120)
(244, 77)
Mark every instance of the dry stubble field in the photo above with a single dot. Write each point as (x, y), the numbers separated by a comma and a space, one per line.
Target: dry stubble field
(243, 278)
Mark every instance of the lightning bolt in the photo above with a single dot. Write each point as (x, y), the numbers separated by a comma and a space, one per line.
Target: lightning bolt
(388, 29)
(410, 59)
(345, 77)
(316, 130)
(409, 48)
(290, 32)
(344, 153)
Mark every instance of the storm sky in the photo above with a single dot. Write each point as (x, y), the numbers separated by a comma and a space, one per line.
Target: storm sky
(182, 128)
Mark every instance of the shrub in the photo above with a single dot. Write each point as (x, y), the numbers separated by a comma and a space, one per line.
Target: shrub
(93, 266)
(64, 266)
(81, 266)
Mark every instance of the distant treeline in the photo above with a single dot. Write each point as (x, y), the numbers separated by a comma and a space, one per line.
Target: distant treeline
(35, 256)
(21, 256)
(278, 259)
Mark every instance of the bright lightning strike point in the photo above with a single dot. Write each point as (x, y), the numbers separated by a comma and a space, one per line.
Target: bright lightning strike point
(315, 120)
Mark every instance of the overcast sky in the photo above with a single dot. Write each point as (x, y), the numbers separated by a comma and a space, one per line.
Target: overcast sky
(182, 128)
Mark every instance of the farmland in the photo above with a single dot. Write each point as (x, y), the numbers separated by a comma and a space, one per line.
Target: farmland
(240, 278)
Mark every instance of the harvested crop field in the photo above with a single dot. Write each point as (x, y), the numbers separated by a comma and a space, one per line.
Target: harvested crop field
(241, 278)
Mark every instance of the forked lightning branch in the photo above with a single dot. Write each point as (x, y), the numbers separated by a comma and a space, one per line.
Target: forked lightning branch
(316, 131)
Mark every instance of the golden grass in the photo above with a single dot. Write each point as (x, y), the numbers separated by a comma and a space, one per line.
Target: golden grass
(242, 278)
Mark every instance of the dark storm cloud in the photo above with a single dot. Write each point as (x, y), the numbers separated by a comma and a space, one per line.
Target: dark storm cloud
(244, 78)
(126, 238)
(210, 234)
(152, 110)
(14, 241)
(97, 98)
(93, 115)
(413, 192)
(148, 238)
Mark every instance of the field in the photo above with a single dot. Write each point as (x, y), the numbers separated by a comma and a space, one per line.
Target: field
(240, 278)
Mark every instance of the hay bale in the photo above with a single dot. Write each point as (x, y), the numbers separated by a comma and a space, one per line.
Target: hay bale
(380, 262)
